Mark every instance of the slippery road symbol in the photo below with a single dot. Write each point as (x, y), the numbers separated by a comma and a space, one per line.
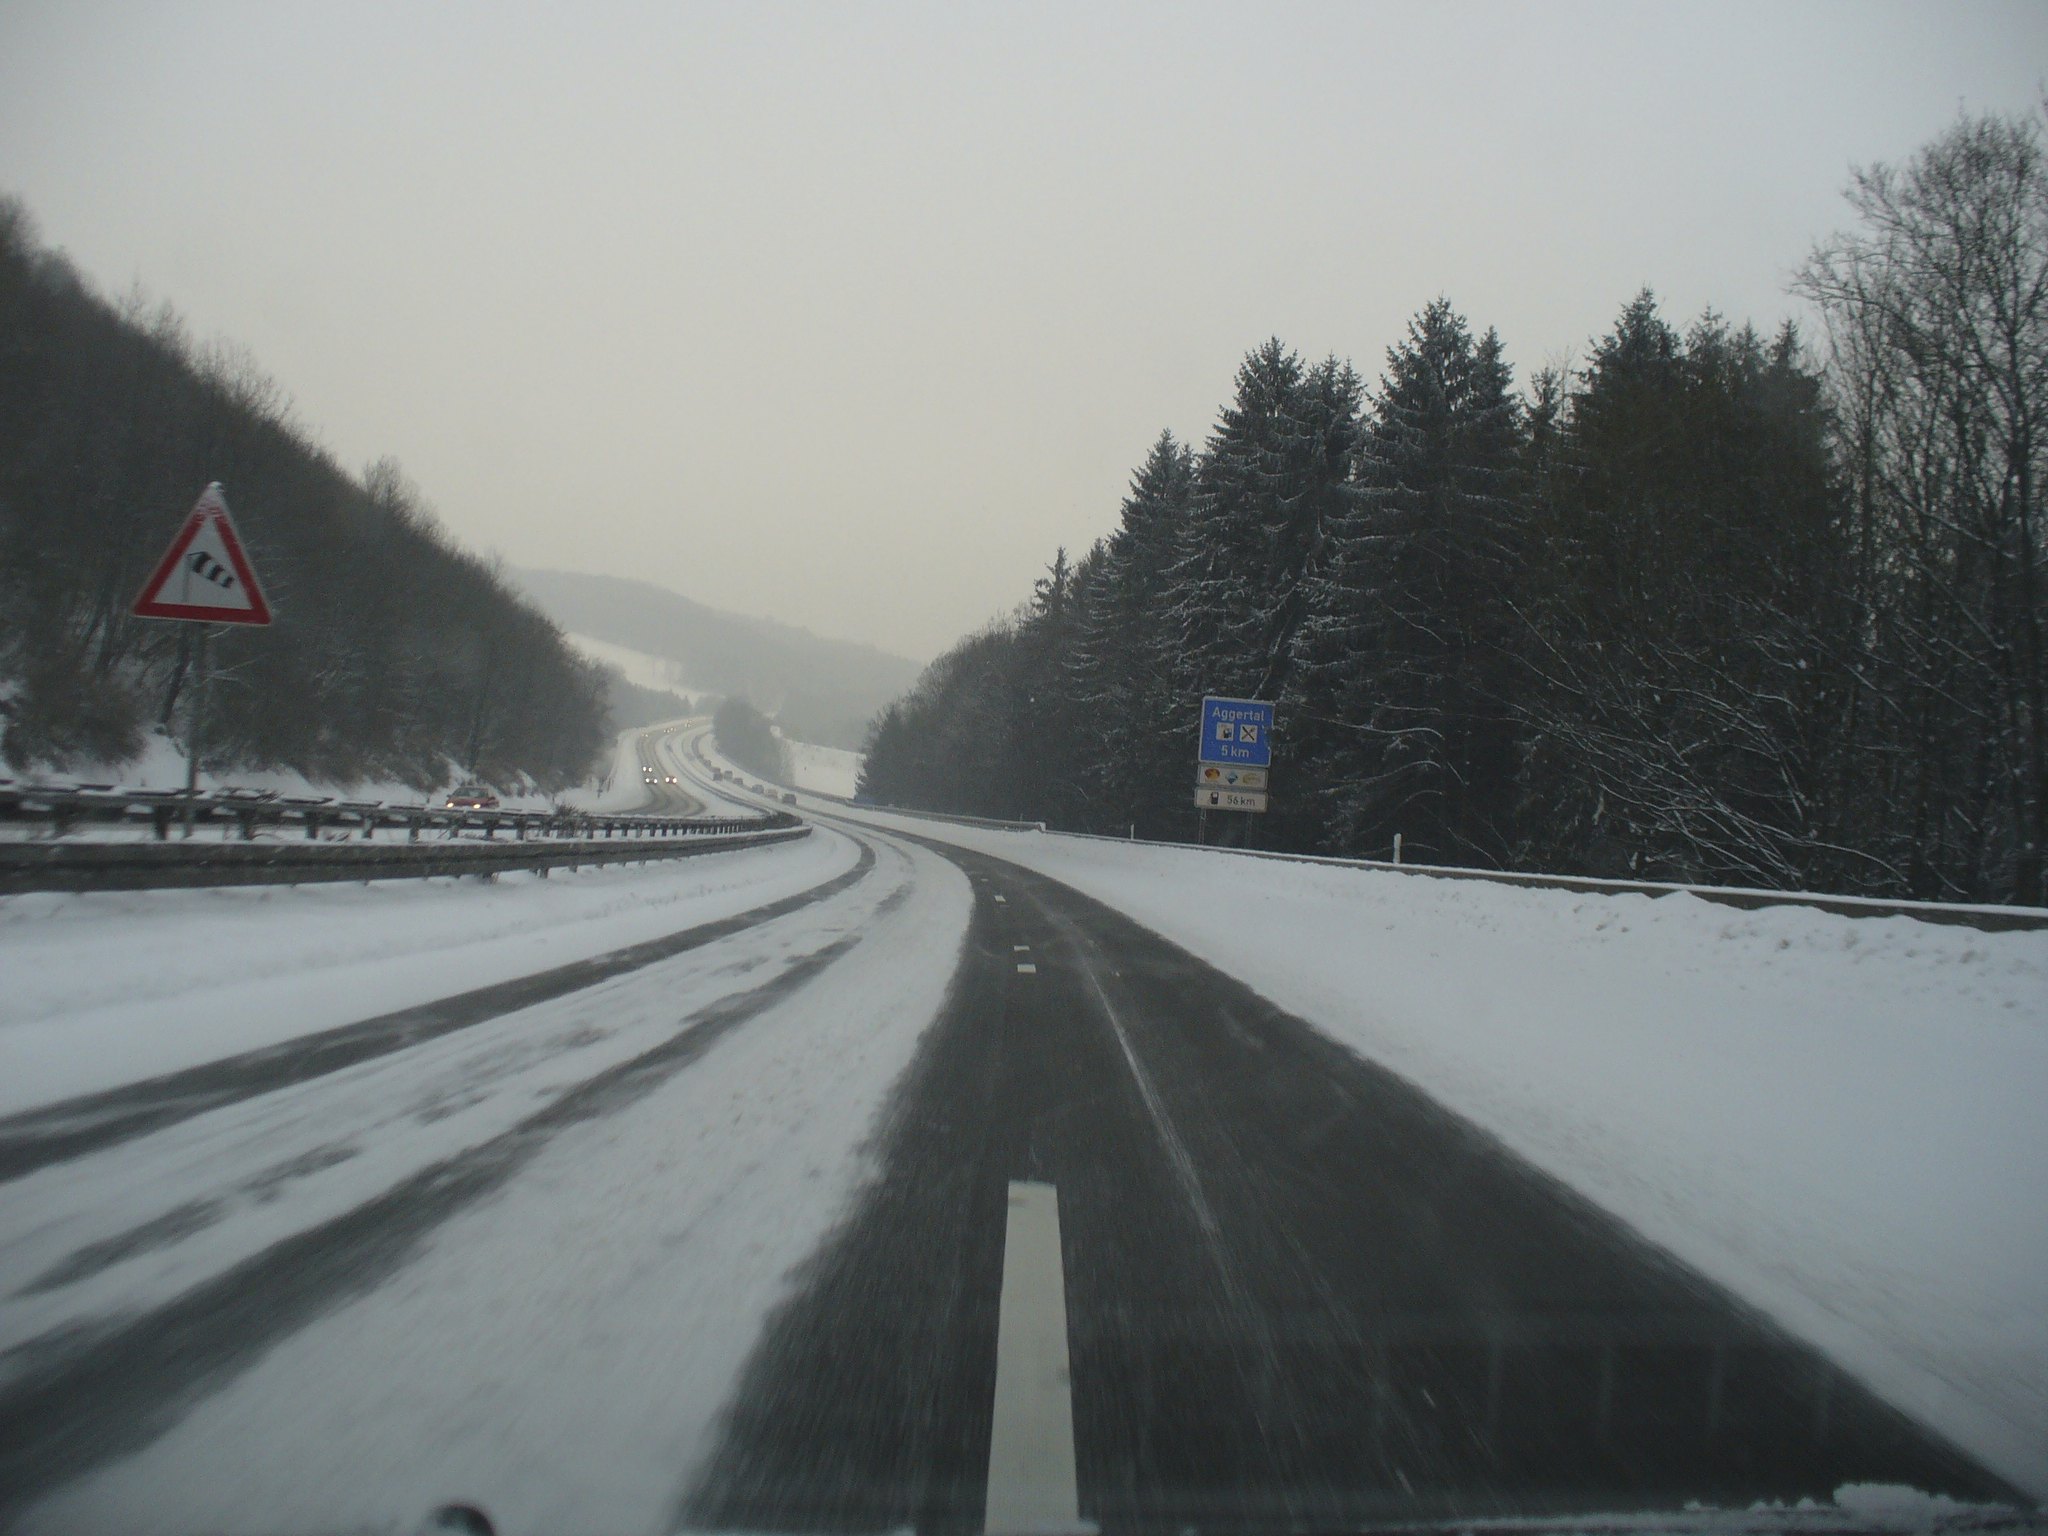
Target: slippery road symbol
(205, 575)
(207, 568)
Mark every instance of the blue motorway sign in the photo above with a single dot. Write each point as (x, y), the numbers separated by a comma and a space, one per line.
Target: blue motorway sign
(1238, 731)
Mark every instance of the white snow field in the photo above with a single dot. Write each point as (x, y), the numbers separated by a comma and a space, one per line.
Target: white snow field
(558, 1349)
(1843, 1120)
(640, 668)
(824, 770)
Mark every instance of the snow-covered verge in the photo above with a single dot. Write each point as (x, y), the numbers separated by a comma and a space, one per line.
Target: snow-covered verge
(823, 770)
(162, 766)
(1840, 1119)
(105, 989)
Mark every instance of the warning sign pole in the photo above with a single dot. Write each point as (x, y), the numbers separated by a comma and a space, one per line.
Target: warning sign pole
(195, 732)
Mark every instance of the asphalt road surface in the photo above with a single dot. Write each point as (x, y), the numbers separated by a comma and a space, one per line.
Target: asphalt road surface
(1292, 1292)
(666, 793)
(1298, 1294)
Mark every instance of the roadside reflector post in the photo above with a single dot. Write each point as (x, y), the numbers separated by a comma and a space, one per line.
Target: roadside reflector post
(1397, 847)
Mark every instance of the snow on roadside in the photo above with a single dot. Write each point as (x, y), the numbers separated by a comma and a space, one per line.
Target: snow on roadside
(559, 1353)
(161, 766)
(1839, 1119)
(824, 770)
(620, 787)
(108, 988)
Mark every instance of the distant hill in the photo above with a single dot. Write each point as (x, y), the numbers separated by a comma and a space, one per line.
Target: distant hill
(824, 691)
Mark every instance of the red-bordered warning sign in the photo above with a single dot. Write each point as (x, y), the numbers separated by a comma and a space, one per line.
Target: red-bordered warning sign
(204, 575)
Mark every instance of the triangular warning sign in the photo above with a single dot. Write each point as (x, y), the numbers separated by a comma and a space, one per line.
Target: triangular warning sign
(204, 575)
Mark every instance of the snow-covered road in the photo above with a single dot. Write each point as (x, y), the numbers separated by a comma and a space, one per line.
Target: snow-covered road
(352, 1254)
(321, 1206)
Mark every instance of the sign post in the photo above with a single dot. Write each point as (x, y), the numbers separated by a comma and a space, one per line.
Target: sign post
(1234, 757)
(204, 578)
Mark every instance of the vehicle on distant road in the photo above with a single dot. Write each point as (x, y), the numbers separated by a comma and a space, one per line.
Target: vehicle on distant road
(472, 797)
(788, 797)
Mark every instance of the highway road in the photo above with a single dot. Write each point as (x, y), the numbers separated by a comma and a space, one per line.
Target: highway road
(667, 791)
(1103, 1237)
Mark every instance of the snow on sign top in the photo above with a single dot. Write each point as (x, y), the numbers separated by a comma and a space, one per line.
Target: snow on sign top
(204, 575)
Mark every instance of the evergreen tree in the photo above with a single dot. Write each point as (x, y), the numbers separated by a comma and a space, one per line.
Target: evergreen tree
(1127, 670)
(1414, 622)
(1687, 610)
(1270, 488)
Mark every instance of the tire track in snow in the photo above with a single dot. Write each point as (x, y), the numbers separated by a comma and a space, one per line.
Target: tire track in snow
(57, 1132)
(122, 1386)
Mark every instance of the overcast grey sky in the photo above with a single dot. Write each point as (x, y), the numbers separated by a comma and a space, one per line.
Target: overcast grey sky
(848, 316)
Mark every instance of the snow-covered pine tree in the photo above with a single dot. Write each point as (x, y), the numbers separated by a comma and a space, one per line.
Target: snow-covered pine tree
(1126, 667)
(1684, 637)
(1413, 624)
(1269, 488)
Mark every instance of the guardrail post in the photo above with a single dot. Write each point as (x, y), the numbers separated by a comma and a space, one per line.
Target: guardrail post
(412, 831)
(248, 820)
(312, 826)
(369, 824)
(160, 818)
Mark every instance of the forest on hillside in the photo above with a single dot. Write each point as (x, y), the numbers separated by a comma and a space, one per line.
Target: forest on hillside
(1715, 606)
(394, 654)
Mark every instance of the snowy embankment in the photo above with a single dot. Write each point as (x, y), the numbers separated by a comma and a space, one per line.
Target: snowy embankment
(162, 766)
(106, 989)
(824, 770)
(1840, 1119)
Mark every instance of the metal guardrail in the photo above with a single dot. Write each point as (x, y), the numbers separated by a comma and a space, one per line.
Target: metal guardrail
(1984, 918)
(137, 866)
(340, 839)
(67, 807)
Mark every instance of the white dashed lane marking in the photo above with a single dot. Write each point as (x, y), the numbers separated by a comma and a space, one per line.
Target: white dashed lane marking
(1031, 1483)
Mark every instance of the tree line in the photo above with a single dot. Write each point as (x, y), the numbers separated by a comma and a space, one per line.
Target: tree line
(1715, 606)
(394, 654)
